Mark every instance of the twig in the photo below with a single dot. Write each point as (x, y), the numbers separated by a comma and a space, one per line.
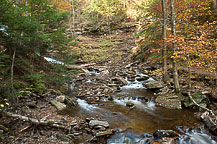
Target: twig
(25, 128)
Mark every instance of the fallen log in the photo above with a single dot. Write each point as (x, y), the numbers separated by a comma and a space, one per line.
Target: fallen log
(44, 122)
(209, 122)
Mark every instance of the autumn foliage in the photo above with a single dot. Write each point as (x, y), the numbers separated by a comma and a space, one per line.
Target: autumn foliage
(196, 39)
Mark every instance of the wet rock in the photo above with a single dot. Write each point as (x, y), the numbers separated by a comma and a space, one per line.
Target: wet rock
(77, 133)
(70, 101)
(89, 100)
(158, 134)
(119, 80)
(111, 98)
(130, 104)
(93, 123)
(104, 133)
(170, 102)
(73, 123)
(143, 78)
(101, 128)
(122, 80)
(165, 140)
(153, 85)
(132, 72)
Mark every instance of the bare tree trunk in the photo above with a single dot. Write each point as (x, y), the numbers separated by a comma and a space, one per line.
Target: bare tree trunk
(72, 18)
(189, 74)
(164, 33)
(173, 25)
(12, 71)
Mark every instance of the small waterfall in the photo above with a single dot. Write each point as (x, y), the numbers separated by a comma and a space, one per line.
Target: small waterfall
(195, 136)
(150, 105)
(53, 61)
(84, 105)
(136, 84)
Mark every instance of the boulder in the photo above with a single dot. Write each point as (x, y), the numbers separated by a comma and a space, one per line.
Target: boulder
(159, 134)
(198, 97)
(60, 98)
(68, 101)
(153, 85)
(130, 104)
(93, 123)
(170, 102)
(143, 78)
(60, 106)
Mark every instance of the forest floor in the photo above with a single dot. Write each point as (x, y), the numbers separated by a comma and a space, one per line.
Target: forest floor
(109, 50)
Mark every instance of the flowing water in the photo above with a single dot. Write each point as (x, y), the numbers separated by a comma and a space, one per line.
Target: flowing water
(145, 117)
(136, 124)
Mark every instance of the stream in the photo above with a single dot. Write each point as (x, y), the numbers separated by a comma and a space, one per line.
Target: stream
(136, 124)
(136, 118)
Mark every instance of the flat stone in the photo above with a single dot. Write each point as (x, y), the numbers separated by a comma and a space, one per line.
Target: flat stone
(93, 123)
(169, 102)
(104, 133)
(153, 85)
(143, 78)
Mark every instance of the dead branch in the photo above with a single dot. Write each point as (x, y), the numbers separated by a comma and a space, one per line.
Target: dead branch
(206, 109)
(33, 121)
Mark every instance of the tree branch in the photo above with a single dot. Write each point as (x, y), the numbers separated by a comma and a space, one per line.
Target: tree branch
(42, 121)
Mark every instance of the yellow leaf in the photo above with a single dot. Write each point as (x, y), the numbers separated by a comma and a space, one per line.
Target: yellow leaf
(2, 105)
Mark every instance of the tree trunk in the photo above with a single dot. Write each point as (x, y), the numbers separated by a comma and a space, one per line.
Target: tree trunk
(164, 33)
(173, 26)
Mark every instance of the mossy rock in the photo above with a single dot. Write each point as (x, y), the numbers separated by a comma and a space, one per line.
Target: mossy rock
(197, 96)
(169, 102)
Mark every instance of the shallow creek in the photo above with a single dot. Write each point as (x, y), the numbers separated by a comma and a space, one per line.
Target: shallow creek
(137, 123)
